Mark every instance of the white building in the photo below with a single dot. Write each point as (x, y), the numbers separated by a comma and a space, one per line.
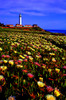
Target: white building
(20, 19)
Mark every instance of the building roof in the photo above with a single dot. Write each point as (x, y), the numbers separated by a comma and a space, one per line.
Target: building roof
(10, 25)
(27, 25)
(18, 25)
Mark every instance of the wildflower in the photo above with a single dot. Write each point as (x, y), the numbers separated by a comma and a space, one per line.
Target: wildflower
(53, 60)
(3, 56)
(19, 61)
(49, 70)
(11, 62)
(32, 95)
(15, 51)
(7, 56)
(40, 84)
(5, 61)
(25, 60)
(0, 49)
(52, 54)
(49, 89)
(30, 58)
(30, 75)
(1, 61)
(24, 70)
(57, 92)
(22, 56)
(41, 79)
(63, 58)
(3, 68)
(57, 70)
(25, 55)
(24, 80)
(36, 63)
(50, 97)
(19, 66)
(0, 88)
(29, 53)
(11, 98)
(1, 77)
(43, 66)
(64, 67)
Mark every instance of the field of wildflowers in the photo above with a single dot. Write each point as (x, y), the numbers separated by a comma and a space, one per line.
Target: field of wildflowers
(31, 67)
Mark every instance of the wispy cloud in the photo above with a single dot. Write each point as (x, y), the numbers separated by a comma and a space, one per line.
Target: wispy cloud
(36, 7)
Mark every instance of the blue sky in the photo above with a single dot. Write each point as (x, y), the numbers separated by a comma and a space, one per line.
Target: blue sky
(48, 14)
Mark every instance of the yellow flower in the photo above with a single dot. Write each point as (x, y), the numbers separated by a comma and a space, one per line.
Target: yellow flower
(12, 44)
(37, 56)
(0, 49)
(30, 58)
(41, 79)
(15, 51)
(1, 77)
(25, 55)
(53, 59)
(24, 80)
(3, 68)
(63, 58)
(57, 92)
(57, 70)
(40, 84)
(22, 56)
(5, 61)
(11, 62)
(52, 54)
(43, 66)
(8, 42)
(50, 97)
(29, 53)
(19, 66)
(49, 70)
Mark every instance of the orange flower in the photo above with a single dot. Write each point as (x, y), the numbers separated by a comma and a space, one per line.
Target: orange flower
(50, 97)
(57, 92)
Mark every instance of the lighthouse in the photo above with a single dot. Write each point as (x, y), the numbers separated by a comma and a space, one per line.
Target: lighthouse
(20, 19)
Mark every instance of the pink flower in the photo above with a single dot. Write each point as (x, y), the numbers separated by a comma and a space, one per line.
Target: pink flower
(30, 75)
(43, 65)
(11, 98)
(7, 56)
(0, 88)
(3, 56)
(27, 57)
(64, 74)
(36, 63)
(54, 49)
(25, 60)
(24, 70)
(56, 65)
(49, 89)
(64, 67)
(16, 62)
(1, 61)
(19, 61)
(22, 48)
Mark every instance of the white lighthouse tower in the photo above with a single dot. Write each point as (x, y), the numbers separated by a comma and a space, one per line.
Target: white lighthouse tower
(20, 19)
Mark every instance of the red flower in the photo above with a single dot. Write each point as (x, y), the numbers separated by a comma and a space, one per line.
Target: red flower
(0, 88)
(24, 70)
(7, 56)
(19, 61)
(64, 67)
(32, 95)
(51, 79)
(16, 62)
(49, 89)
(30, 75)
